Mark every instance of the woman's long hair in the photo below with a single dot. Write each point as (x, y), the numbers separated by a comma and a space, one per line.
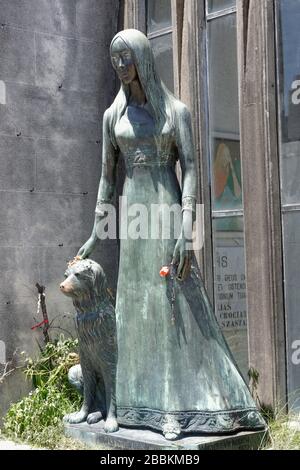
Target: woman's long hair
(161, 100)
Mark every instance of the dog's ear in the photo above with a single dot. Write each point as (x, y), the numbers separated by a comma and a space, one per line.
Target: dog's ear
(99, 280)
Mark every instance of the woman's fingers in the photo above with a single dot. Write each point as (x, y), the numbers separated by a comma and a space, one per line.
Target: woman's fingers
(182, 258)
(80, 252)
(186, 269)
(87, 248)
(176, 255)
(83, 252)
(184, 266)
(181, 264)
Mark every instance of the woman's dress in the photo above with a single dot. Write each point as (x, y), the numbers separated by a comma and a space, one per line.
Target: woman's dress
(180, 369)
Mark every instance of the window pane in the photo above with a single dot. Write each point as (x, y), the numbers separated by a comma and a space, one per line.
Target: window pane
(216, 5)
(226, 169)
(291, 229)
(224, 113)
(289, 46)
(163, 52)
(289, 99)
(159, 15)
(230, 287)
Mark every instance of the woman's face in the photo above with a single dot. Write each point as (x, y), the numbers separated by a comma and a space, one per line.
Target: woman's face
(122, 61)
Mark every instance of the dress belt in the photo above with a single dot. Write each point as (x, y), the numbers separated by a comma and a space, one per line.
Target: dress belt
(142, 159)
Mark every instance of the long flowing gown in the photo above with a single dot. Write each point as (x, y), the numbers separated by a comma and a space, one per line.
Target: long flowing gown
(166, 369)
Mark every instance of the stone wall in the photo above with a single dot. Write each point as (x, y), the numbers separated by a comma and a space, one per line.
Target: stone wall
(55, 83)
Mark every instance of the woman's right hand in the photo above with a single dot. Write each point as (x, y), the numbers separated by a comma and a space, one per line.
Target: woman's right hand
(88, 247)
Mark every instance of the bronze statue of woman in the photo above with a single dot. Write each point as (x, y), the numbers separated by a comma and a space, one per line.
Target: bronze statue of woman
(175, 371)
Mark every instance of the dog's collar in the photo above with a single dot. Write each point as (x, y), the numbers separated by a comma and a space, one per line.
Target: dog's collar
(87, 316)
(93, 315)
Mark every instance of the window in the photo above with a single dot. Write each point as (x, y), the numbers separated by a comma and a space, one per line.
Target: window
(225, 174)
(218, 5)
(224, 157)
(159, 32)
(288, 18)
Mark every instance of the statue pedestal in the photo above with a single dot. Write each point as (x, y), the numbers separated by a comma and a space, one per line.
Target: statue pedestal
(139, 439)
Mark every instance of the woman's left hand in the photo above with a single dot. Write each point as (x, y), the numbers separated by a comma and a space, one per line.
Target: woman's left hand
(183, 257)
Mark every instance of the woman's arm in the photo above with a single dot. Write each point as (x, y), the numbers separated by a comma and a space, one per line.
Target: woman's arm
(106, 186)
(186, 152)
(185, 146)
(109, 165)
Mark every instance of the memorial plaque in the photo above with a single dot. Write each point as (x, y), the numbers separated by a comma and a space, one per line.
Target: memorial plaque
(230, 293)
(230, 288)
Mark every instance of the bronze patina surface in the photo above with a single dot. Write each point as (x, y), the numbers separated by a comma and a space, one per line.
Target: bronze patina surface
(175, 372)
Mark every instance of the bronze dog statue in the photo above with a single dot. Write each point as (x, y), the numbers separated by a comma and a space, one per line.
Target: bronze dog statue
(95, 322)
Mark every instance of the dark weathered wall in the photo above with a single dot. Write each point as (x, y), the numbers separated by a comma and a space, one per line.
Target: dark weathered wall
(56, 82)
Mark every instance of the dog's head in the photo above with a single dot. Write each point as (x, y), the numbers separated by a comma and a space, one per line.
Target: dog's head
(84, 279)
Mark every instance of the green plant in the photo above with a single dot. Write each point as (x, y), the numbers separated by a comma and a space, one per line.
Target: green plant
(37, 418)
(282, 434)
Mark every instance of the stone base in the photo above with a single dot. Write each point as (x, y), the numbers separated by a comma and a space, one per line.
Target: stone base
(139, 439)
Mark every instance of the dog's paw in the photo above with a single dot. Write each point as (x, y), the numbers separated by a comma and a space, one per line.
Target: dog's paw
(111, 425)
(171, 436)
(94, 417)
(171, 428)
(75, 418)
